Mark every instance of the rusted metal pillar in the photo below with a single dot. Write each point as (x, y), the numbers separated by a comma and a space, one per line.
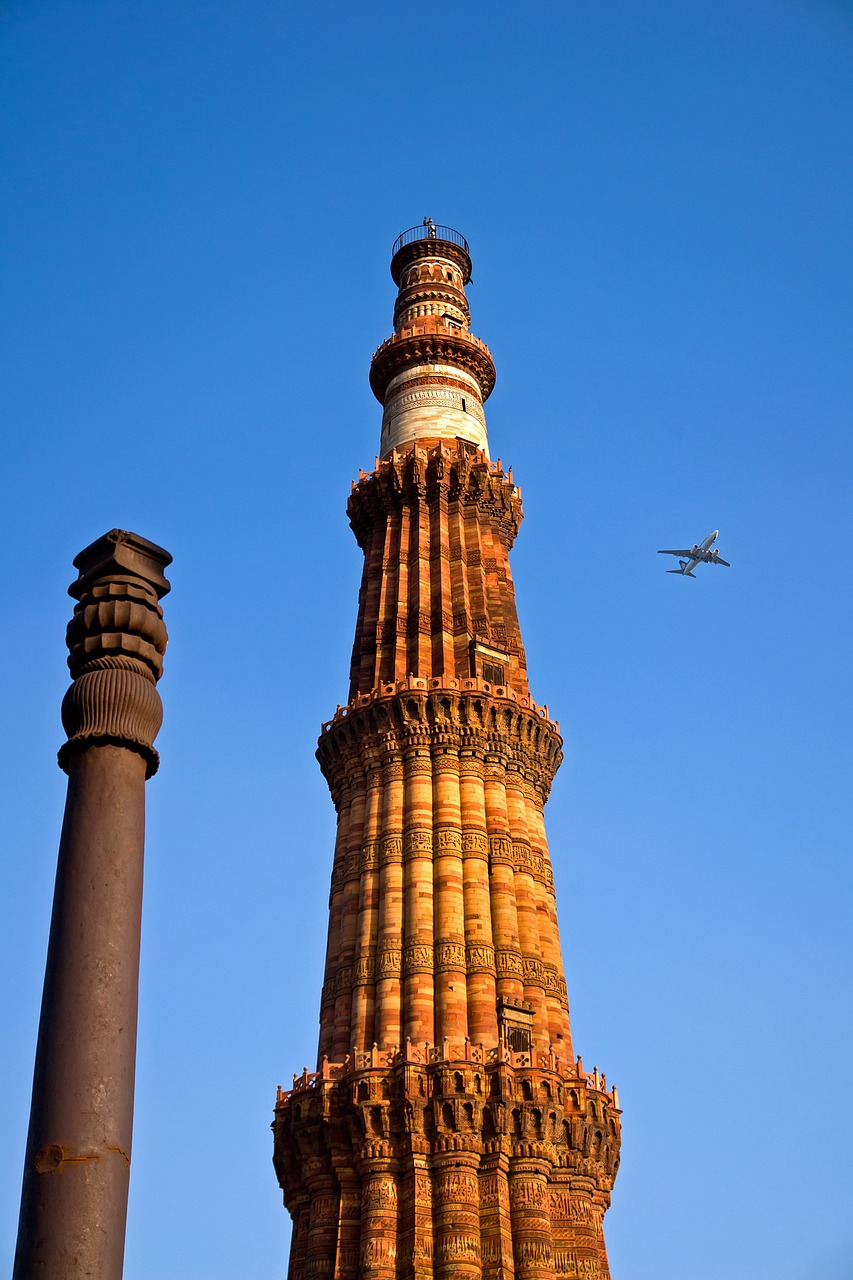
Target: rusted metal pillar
(77, 1168)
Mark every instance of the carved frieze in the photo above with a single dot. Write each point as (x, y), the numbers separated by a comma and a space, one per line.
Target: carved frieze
(508, 963)
(418, 957)
(390, 850)
(370, 855)
(449, 957)
(448, 840)
(417, 843)
(501, 851)
(389, 962)
(480, 958)
(343, 979)
(364, 971)
(534, 975)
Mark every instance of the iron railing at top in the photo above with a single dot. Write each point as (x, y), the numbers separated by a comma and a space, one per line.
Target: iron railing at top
(429, 230)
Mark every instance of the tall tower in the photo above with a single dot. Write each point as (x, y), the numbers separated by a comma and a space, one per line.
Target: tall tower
(448, 1132)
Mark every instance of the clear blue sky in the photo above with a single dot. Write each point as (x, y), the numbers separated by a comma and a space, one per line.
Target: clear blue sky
(199, 201)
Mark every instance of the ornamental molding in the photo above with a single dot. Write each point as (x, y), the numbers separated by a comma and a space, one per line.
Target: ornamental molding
(475, 844)
(448, 840)
(116, 641)
(431, 342)
(431, 728)
(418, 957)
(449, 956)
(417, 843)
(480, 958)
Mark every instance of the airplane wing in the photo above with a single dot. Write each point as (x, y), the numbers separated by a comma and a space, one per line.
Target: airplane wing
(685, 551)
(720, 560)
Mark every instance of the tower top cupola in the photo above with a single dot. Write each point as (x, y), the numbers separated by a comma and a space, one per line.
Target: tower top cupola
(432, 375)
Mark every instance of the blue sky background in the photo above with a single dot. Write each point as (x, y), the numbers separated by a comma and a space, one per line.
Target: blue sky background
(198, 206)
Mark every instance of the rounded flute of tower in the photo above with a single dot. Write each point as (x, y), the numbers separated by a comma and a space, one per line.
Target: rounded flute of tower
(432, 376)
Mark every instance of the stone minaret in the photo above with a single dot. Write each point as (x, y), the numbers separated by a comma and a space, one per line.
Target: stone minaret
(448, 1132)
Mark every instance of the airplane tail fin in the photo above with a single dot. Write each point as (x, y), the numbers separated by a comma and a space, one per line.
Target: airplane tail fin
(684, 571)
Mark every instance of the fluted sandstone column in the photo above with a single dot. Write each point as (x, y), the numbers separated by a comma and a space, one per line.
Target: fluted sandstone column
(349, 921)
(378, 1221)
(389, 946)
(77, 1166)
(451, 1002)
(480, 951)
(558, 1005)
(525, 897)
(456, 1215)
(364, 990)
(333, 944)
(418, 953)
(502, 885)
(324, 1212)
(531, 1221)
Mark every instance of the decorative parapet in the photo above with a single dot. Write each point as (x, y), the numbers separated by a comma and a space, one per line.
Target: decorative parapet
(434, 715)
(439, 684)
(448, 1053)
(116, 641)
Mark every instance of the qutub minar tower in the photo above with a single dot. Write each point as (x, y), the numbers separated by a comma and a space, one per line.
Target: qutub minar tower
(449, 1133)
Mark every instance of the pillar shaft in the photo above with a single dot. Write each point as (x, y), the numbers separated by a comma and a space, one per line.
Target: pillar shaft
(77, 1164)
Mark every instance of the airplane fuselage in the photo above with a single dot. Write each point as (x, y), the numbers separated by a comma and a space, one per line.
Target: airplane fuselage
(699, 553)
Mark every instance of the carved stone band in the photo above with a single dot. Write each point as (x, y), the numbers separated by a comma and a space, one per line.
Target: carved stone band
(389, 962)
(370, 855)
(343, 979)
(508, 963)
(417, 843)
(418, 958)
(364, 971)
(475, 844)
(390, 850)
(480, 958)
(449, 957)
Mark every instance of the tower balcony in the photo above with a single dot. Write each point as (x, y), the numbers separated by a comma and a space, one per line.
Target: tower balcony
(431, 340)
(428, 230)
(430, 241)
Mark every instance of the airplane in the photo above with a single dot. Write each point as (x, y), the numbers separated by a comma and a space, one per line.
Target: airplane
(701, 554)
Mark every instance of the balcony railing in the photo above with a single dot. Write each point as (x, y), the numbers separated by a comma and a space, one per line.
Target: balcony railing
(429, 230)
